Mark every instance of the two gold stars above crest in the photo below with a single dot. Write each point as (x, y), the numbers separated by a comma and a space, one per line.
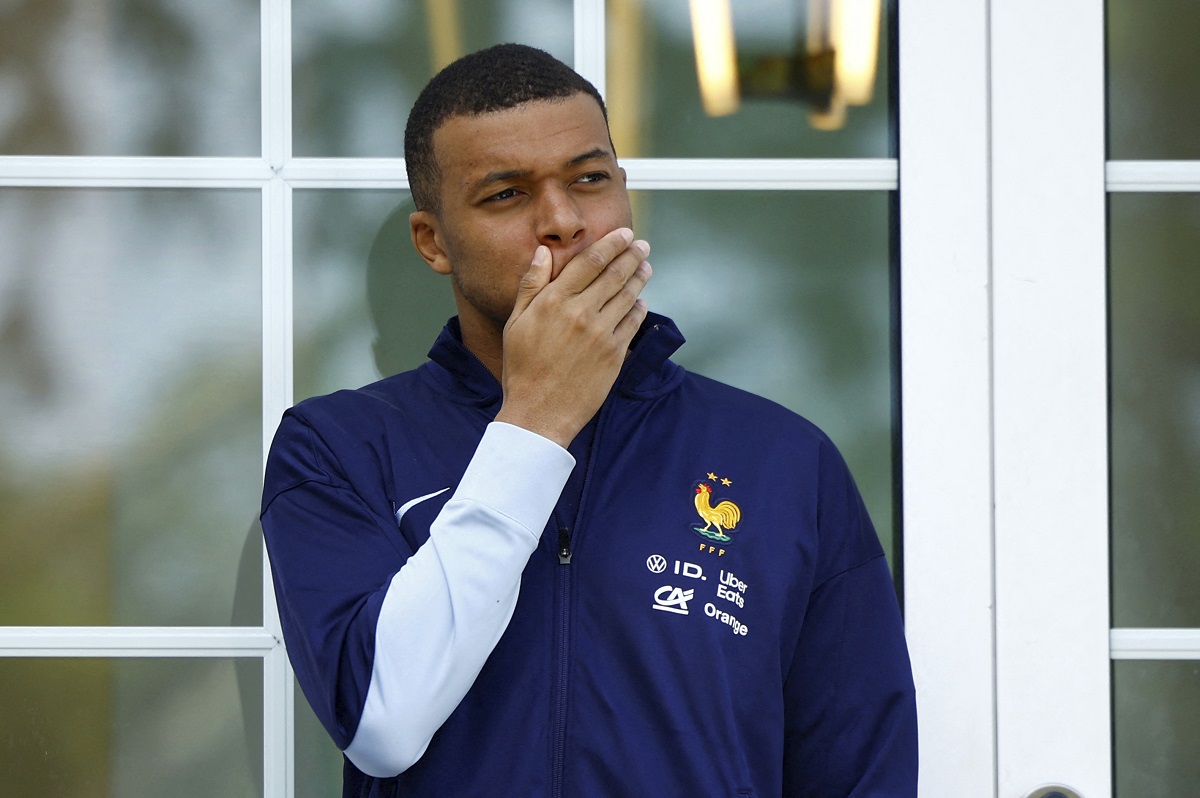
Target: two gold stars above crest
(723, 480)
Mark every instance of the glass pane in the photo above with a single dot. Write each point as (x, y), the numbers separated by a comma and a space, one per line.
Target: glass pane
(358, 67)
(130, 406)
(74, 727)
(366, 305)
(1154, 291)
(1156, 722)
(787, 295)
(782, 62)
(318, 760)
(1153, 95)
(130, 77)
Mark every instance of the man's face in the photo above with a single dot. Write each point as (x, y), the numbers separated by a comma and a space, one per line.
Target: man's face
(541, 173)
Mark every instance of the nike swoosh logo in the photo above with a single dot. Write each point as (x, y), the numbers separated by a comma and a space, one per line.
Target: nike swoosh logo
(408, 505)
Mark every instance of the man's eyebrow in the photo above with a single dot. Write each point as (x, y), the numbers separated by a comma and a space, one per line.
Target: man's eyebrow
(504, 176)
(499, 177)
(592, 155)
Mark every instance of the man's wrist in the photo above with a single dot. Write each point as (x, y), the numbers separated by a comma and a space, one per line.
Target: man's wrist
(537, 423)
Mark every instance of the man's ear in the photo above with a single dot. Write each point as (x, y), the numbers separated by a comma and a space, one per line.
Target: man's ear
(428, 241)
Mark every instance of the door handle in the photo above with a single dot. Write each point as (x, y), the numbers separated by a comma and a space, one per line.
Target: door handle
(1053, 791)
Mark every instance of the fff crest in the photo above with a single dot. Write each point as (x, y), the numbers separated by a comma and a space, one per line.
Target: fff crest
(718, 516)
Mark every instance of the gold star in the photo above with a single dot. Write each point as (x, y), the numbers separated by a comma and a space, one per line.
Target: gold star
(712, 476)
(726, 482)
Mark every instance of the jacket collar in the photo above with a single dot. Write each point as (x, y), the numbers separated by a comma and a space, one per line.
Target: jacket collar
(647, 371)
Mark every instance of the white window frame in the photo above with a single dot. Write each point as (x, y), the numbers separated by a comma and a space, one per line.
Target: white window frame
(1002, 288)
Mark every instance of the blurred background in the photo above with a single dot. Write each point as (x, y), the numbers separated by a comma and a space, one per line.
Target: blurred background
(131, 331)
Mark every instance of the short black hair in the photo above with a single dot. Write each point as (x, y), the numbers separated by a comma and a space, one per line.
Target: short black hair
(497, 78)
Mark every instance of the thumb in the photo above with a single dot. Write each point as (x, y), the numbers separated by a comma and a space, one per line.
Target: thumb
(534, 280)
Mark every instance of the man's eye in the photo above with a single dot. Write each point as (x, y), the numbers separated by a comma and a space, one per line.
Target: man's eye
(594, 177)
(507, 193)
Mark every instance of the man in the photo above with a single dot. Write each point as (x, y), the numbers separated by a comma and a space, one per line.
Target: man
(549, 562)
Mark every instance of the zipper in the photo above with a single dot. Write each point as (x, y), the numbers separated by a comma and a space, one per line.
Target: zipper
(564, 638)
(565, 553)
(564, 546)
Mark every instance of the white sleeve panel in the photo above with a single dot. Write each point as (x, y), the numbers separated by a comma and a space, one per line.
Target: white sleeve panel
(447, 607)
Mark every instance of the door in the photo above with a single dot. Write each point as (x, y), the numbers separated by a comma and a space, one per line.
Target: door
(1002, 173)
(1051, 447)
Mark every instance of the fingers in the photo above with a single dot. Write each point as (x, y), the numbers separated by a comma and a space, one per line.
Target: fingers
(607, 269)
(534, 280)
(603, 281)
(583, 269)
(614, 278)
(628, 294)
(632, 321)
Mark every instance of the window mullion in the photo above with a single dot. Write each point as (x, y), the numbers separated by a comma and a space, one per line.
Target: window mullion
(590, 39)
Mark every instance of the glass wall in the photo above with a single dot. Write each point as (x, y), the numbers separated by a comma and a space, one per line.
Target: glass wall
(155, 259)
(1154, 311)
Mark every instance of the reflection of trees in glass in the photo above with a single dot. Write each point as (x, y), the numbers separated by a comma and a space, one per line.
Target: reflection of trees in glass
(178, 723)
(54, 727)
(1154, 295)
(357, 70)
(129, 462)
(1154, 289)
(129, 77)
(1155, 316)
(35, 120)
(1157, 705)
(366, 305)
(1153, 100)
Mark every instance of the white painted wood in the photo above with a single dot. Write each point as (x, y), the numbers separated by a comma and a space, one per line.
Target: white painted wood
(796, 174)
(123, 172)
(276, 82)
(277, 306)
(385, 173)
(135, 641)
(589, 26)
(732, 174)
(728, 174)
(279, 734)
(1153, 175)
(946, 377)
(1156, 644)
(1050, 396)
(278, 712)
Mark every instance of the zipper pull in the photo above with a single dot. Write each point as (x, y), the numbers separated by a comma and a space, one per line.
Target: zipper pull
(564, 545)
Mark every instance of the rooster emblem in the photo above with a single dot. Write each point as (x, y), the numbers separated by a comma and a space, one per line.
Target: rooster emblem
(725, 515)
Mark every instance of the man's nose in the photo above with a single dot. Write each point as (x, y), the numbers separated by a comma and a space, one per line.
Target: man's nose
(559, 220)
